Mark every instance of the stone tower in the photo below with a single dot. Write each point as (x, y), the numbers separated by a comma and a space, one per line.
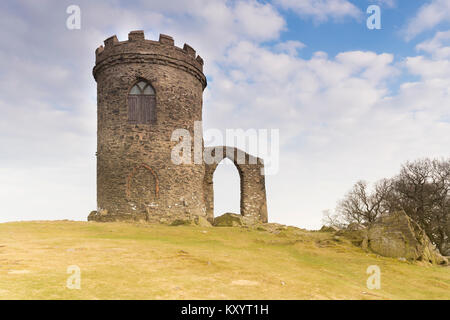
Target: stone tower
(145, 90)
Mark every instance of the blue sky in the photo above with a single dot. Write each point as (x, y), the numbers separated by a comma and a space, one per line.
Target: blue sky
(350, 103)
(352, 34)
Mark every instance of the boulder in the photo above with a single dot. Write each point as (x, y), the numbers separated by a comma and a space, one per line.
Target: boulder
(228, 220)
(92, 216)
(329, 229)
(398, 236)
(202, 222)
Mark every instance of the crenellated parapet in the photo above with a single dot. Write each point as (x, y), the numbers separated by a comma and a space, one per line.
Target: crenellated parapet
(138, 49)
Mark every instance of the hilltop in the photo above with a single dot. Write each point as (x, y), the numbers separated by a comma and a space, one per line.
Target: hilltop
(152, 261)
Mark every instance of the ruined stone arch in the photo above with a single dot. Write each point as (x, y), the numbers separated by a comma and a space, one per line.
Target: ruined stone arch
(252, 182)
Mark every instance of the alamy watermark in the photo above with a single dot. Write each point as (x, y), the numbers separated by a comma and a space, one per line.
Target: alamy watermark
(73, 22)
(374, 279)
(374, 20)
(74, 280)
(262, 143)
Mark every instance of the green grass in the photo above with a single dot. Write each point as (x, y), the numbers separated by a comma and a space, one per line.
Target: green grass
(126, 261)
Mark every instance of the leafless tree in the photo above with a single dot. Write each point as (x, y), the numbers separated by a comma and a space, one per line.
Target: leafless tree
(331, 219)
(364, 207)
(423, 192)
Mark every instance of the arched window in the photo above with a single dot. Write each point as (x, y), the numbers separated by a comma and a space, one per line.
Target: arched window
(142, 104)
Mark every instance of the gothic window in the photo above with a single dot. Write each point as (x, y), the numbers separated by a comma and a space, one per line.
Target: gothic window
(142, 104)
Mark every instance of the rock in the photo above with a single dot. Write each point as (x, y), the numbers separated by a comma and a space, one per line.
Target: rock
(202, 222)
(228, 220)
(99, 216)
(329, 229)
(398, 236)
(92, 216)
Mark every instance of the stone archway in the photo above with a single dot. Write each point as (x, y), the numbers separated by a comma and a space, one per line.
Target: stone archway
(251, 173)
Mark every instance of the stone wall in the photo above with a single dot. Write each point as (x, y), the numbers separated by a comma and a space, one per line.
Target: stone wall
(251, 173)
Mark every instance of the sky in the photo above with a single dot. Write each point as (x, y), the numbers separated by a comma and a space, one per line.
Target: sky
(349, 103)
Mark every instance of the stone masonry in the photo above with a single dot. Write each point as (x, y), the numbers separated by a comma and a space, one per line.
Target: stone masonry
(253, 188)
(136, 178)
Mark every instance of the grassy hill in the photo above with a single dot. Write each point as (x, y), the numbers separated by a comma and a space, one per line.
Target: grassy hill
(125, 261)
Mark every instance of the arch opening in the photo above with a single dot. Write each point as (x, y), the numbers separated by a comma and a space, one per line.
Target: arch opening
(227, 188)
(251, 179)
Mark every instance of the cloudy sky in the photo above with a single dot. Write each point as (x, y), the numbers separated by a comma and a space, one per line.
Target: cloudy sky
(350, 103)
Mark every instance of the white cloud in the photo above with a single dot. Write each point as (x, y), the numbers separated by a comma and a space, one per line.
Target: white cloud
(322, 10)
(429, 16)
(437, 46)
(428, 69)
(386, 3)
(260, 21)
(291, 47)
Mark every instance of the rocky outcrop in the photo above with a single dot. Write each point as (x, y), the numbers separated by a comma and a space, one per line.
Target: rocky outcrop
(202, 222)
(398, 236)
(228, 220)
(236, 220)
(329, 229)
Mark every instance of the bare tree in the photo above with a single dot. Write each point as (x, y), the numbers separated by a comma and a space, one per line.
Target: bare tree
(364, 207)
(331, 219)
(423, 192)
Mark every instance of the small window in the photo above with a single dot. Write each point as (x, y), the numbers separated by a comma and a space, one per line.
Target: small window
(142, 104)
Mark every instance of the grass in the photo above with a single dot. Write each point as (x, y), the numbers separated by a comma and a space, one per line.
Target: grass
(126, 261)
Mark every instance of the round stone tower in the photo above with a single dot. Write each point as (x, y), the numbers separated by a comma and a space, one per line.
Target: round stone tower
(146, 90)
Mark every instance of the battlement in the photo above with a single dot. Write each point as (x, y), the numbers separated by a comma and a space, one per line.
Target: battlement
(136, 44)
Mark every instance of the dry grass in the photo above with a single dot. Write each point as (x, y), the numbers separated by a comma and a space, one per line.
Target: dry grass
(124, 261)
